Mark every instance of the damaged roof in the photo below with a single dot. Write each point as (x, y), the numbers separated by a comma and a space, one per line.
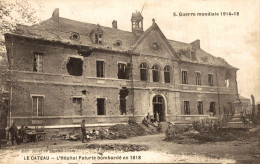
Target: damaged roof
(61, 30)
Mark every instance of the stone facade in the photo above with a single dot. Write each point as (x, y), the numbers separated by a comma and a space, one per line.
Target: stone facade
(45, 88)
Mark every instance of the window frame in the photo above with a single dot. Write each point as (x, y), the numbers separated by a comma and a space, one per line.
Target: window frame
(201, 112)
(214, 107)
(81, 109)
(37, 107)
(186, 104)
(98, 38)
(158, 73)
(104, 106)
(182, 77)
(144, 69)
(198, 78)
(210, 80)
(38, 58)
(126, 70)
(165, 71)
(103, 70)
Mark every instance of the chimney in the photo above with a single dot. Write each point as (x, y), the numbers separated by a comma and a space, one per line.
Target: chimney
(55, 14)
(114, 24)
(195, 44)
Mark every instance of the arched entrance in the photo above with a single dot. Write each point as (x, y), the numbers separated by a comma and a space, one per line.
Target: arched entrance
(159, 107)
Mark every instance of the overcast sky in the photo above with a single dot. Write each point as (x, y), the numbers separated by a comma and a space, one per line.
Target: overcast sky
(234, 38)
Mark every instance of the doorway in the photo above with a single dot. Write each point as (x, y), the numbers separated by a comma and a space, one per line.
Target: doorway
(159, 107)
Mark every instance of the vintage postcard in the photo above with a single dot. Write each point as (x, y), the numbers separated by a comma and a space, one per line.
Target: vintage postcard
(134, 81)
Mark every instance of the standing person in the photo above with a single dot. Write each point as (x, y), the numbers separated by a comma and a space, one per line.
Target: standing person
(148, 117)
(83, 130)
(21, 133)
(13, 130)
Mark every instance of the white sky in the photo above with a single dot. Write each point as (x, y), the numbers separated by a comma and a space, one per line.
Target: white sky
(234, 38)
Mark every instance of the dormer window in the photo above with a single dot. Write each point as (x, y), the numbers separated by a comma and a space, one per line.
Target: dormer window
(98, 38)
(97, 35)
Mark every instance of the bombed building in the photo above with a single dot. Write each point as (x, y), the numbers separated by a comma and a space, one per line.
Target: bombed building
(65, 71)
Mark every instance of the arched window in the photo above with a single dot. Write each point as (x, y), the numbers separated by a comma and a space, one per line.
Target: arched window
(167, 76)
(155, 69)
(143, 72)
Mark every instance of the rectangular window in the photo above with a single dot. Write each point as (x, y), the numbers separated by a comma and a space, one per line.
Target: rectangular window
(186, 107)
(101, 106)
(155, 76)
(98, 38)
(37, 105)
(198, 78)
(212, 108)
(200, 107)
(100, 68)
(38, 62)
(184, 75)
(122, 95)
(167, 77)
(77, 105)
(210, 80)
(143, 73)
(123, 71)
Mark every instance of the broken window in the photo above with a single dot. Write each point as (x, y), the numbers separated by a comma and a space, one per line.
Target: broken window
(167, 77)
(184, 77)
(123, 71)
(155, 69)
(186, 107)
(37, 105)
(210, 80)
(38, 62)
(74, 36)
(212, 108)
(100, 68)
(77, 105)
(143, 72)
(122, 95)
(85, 53)
(74, 66)
(200, 107)
(198, 78)
(227, 77)
(101, 106)
(98, 38)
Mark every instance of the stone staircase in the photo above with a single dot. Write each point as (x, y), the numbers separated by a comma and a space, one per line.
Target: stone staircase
(235, 123)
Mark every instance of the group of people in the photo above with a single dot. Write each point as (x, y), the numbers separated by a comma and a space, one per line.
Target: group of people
(148, 119)
(17, 135)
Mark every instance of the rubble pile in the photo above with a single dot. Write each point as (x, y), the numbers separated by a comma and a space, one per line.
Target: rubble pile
(182, 134)
(119, 147)
(125, 131)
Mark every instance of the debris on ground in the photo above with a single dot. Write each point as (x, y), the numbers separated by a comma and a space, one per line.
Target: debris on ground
(183, 134)
(118, 147)
(125, 131)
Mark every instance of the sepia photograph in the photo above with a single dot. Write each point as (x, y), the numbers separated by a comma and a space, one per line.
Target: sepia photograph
(133, 81)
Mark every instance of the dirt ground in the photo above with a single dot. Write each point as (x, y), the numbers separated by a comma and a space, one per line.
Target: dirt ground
(62, 151)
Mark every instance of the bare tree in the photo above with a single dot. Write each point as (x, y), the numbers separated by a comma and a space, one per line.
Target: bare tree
(13, 12)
